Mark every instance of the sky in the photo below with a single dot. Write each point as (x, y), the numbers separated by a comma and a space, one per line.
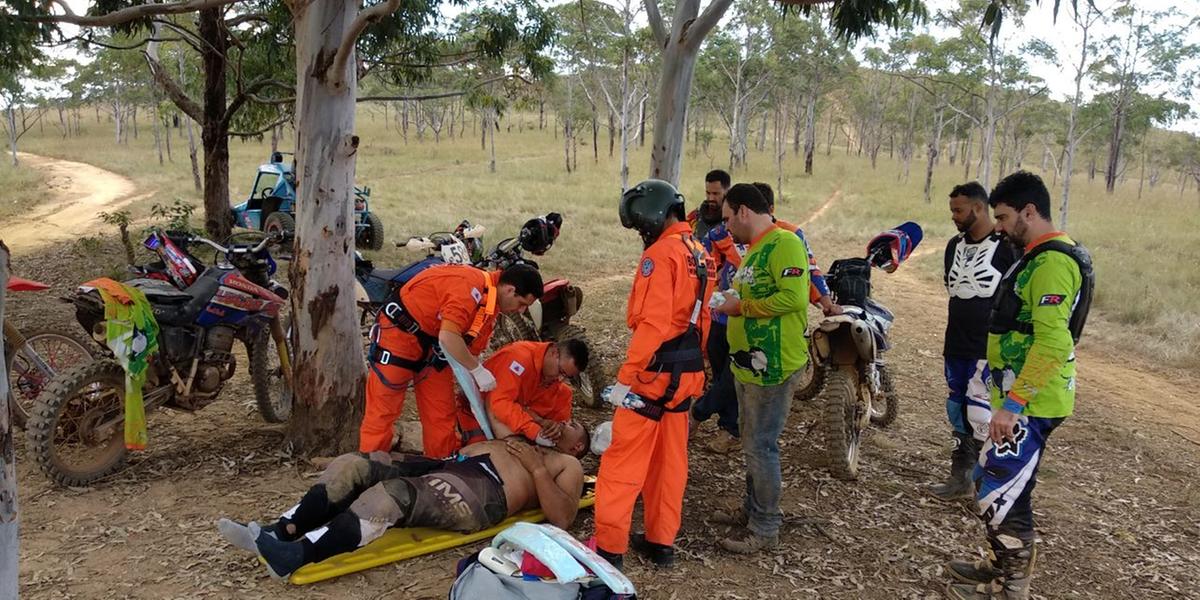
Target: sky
(1065, 37)
(1039, 23)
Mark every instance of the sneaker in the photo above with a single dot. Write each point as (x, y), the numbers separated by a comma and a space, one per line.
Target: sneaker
(282, 558)
(662, 556)
(730, 512)
(745, 541)
(724, 443)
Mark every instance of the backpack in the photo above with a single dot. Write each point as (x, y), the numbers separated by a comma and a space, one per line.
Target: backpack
(561, 554)
(1008, 304)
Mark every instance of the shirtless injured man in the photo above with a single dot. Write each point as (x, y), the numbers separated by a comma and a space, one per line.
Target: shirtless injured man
(359, 497)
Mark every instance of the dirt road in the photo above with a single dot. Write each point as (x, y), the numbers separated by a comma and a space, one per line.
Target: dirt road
(78, 193)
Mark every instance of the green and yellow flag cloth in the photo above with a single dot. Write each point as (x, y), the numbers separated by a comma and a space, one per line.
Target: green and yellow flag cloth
(132, 335)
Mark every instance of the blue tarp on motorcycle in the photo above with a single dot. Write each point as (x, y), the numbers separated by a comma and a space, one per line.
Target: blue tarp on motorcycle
(895, 245)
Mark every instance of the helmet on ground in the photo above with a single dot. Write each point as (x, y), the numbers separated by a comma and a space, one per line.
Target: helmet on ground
(538, 234)
(646, 206)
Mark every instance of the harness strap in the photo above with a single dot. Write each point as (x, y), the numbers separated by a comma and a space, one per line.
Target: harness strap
(430, 352)
(683, 353)
(656, 409)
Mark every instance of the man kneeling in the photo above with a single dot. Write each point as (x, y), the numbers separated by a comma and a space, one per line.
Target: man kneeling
(359, 497)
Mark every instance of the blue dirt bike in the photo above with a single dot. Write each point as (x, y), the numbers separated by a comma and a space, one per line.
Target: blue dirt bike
(76, 429)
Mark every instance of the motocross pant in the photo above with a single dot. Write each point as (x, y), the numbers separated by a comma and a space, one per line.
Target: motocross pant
(1007, 473)
(968, 407)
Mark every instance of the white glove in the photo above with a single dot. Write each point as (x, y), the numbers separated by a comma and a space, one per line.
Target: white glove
(542, 440)
(483, 378)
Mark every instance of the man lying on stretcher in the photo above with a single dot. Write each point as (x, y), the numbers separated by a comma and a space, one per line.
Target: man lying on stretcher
(359, 497)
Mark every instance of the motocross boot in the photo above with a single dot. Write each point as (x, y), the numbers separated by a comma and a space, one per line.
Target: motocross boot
(960, 484)
(1013, 568)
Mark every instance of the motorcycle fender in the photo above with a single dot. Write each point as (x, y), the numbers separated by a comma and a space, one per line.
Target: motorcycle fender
(864, 340)
(535, 313)
(836, 346)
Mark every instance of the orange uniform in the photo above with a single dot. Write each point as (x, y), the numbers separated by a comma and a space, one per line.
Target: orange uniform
(647, 456)
(519, 393)
(457, 298)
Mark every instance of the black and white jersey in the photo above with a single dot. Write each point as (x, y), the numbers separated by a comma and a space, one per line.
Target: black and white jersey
(972, 276)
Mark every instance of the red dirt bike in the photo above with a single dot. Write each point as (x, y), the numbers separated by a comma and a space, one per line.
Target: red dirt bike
(32, 357)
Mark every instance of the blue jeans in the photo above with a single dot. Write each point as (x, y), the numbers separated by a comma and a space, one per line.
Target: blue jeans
(763, 413)
(720, 398)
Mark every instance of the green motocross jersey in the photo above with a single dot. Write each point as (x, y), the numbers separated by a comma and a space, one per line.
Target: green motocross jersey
(1035, 374)
(766, 343)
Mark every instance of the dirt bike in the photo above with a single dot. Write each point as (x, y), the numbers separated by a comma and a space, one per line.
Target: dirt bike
(848, 349)
(547, 319)
(76, 430)
(32, 357)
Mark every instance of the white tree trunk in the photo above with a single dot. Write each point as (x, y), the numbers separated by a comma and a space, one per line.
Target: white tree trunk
(11, 115)
(493, 123)
(191, 136)
(10, 524)
(328, 363)
(681, 46)
(931, 152)
(810, 132)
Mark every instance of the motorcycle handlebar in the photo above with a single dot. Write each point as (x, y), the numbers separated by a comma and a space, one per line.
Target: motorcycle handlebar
(223, 250)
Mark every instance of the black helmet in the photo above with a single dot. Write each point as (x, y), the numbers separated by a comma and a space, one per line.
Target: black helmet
(645, 207)
(539, 233)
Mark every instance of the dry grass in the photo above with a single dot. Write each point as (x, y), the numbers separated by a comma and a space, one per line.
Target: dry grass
(1145, 264)
(22, 188)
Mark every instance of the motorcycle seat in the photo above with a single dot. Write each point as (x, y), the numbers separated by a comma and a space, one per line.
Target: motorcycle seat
(385, 274)
(160, 292)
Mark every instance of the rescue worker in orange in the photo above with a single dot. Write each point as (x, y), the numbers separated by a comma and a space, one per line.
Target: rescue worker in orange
(662, 373)
(530, 399)
(446, 307)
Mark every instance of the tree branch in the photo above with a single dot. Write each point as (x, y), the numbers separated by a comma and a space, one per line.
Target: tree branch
(87, 40)
(706, 22)
(244, 134)
(440, 95)
(174, 91)
(337, 70)
(247, 18)
(125, 15)
(656, 22)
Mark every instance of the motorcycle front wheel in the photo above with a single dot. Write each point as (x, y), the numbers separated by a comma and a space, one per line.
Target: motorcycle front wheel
(272, 391)
(890, 401)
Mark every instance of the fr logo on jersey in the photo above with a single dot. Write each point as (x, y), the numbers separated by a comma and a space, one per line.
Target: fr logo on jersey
(647, 267)
(517, 368)
(1052, 300)
(793, 272)
(1013, 447)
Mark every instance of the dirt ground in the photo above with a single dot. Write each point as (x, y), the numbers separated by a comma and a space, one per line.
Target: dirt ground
(1118, 505)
